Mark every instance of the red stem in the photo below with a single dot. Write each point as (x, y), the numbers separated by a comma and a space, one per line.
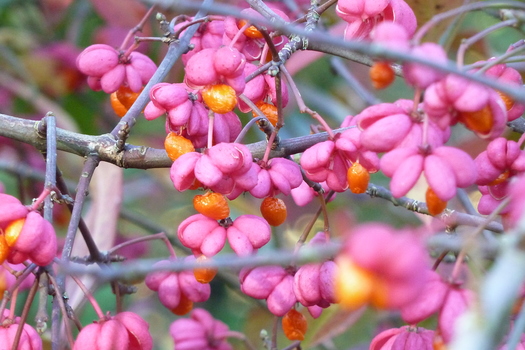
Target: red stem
(90, 298)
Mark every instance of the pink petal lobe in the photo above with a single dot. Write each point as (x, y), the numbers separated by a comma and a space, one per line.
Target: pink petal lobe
(406, 175)
(440, 177)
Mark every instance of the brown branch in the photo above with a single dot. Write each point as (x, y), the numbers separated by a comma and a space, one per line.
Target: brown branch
(138, 157)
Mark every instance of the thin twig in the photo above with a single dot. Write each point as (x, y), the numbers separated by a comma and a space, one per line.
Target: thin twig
(56, 342)
(25, 312)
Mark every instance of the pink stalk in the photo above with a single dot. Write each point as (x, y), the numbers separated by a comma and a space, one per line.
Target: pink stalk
(211, 118)
(442, 16)
(13, 305)
(90, 298)
(160, 235)
(269, 147)
(470, 240)
(238, 34)
(36, 204)
(138, 28)
(302, 106)
(465, 44)
(521, 140)
(242, 337)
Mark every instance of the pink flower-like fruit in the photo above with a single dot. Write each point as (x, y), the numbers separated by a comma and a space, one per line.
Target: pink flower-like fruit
(176, 288)
(201, 331)
(107, 70)
(125, 330)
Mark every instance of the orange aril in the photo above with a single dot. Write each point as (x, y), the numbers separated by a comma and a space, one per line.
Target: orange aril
(4, 249)
(196, 185)
(273, 210)
(379, 297)
(185, 306)
(509, 102)
(117, 106)
(434, 204)
(126, 96)
(269, 111)
(13, 230)
(354, 286)
(177, 145)
(220, 98)
(251, 32)
(204, 274)
(438, 343)
(294, 325)
(358, 178)
(212, 205)
(500, 179)
(381, 75)
(480, 121)
(3, 285)
(122, 100)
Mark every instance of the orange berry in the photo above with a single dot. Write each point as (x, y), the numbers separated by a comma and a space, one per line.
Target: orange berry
(177, 145)
(273, 210)
(358, 178)
(480, 121)
(251, 31)
(13, 230)
(294, 325)
(196, 185)
(501, 178)
(4, 249)
(126, 96)
(205, 274)
(3, 285)
(212, 205)
(509, 102)
(220, 98)
(185, 306)
(434, 204)
(379, 297)
(269, 110)
(381, 75)
(117, 106)
(354, 286)
(438, 343)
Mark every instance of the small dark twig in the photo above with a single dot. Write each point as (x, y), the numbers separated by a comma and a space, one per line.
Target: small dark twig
(25, 312)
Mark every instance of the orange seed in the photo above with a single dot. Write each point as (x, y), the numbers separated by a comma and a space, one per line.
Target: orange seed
(480, 121)
(251, 31)
(4, 249)
(273, 210)
(220, 98)
(185, 306)
(358, 178)
(434, 204)
(269, 111)
(126, 96)
(117, 106)
(205, 274)
(177, 145)
(381, 75)
(294, 325)
(354, 286)
(13, 231)
(212, 205)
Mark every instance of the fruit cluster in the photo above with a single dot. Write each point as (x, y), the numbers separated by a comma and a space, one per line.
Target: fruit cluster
(241, 65)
